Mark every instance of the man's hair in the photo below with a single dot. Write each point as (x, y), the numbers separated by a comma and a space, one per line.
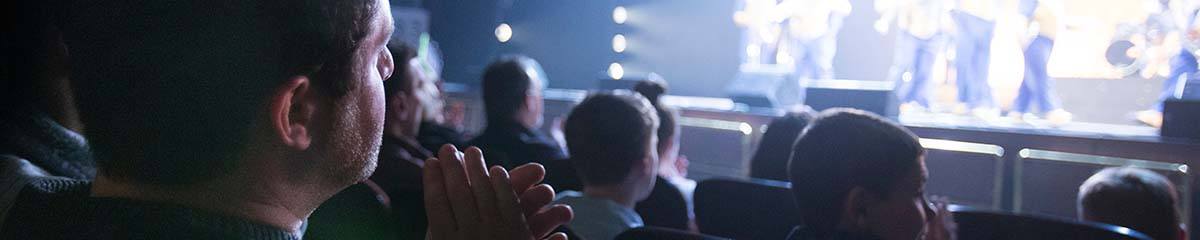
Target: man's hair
(169, 89)
(1131, 197)
(842, 149)
(774, 151)
(667, 127)
(401, 80)
(506, 82)
(607, 135)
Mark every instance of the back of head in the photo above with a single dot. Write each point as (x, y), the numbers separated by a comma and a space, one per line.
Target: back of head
(506, 83)
(608, 134)
(842, 149)
(668, 129)
(652, 89)
(775, 150)
(1131, 197)
(169, 89)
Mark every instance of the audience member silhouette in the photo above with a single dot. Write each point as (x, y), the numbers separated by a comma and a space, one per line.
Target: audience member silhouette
(668, 205)
(856, 175)
(612, 138)
(512, 99)
(1135, 198)
(775, 149)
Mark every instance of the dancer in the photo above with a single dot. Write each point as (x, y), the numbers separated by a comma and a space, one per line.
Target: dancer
(1037, 88)
(975, 24)
(920, 38)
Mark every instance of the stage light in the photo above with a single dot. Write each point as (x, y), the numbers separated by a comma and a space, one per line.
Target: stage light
(503, 32)
(618, 43)
(620, 15)
(615, 71)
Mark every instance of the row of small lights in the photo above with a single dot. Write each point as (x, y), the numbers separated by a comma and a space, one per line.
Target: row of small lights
(615, 70)
(504, 33)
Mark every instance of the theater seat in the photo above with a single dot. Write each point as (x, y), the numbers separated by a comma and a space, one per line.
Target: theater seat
(754, 209)
(975, 224)
(658, 233)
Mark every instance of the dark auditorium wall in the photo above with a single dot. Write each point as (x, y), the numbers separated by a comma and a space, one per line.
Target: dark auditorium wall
(693, 44)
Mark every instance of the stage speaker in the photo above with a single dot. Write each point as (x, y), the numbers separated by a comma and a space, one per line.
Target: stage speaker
(1181, 119)
(872, 96)
(760, 89)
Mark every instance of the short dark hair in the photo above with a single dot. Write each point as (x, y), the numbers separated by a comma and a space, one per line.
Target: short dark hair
(400, 80)
(168, 89)
(774, 151)
(607, 135)
(842, 149)
(505, 85)
(667, 127)
(1131, 197)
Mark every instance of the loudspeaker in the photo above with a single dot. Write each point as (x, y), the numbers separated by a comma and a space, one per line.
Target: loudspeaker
(760, 89)
(1181, 119)
(872, 96)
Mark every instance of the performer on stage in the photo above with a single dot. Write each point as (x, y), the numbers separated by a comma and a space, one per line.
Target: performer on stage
(919, 39)
(975, 24)
(1037, 88)
(813, 27)
(1184, 65)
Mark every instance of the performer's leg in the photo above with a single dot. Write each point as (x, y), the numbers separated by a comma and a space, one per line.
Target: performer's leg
(1046, 101)
(964, 53)
(828, 47)
(923, 71)
(902, 62)
(1183, 66)
(1024, 93)
(983, 90)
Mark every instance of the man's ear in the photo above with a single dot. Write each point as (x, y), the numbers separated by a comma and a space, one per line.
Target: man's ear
(854, 209)
(292, 108)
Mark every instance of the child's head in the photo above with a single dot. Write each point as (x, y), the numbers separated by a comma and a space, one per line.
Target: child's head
(854, 171)
(612, 139)
(1132, 197)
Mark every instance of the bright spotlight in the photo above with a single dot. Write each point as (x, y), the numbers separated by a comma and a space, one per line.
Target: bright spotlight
(618, 43)
(616, 71)
(503, 32)
(620, 15)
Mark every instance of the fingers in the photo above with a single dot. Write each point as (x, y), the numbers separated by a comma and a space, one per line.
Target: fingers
(546, 221)
(485, 197)
(511, 215)
(437, 204)
(557, 236)
(466, 214)
(535, 198)
(526, 176)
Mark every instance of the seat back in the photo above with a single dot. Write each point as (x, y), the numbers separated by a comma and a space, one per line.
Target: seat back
(1047, 182)
(755, 209)
(974, 224)
(658, 233)
(968, 173)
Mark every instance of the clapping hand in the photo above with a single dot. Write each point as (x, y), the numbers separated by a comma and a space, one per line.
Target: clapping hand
(467, 201)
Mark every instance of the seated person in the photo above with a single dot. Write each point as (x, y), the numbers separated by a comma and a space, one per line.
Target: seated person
(388, 204)
(512, 100)
(612, 139)
(856, 175)
(669, 204)
(1135, 198)
(437, 129)
(771, 159)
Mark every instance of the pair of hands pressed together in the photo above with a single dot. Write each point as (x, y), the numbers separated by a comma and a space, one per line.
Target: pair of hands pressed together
(466, 200)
